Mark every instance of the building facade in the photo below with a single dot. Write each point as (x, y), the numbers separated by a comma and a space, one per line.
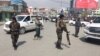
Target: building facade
(8, 10)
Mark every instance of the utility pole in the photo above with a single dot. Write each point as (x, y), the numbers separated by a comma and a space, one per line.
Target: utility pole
(71, 3)
(71, 6)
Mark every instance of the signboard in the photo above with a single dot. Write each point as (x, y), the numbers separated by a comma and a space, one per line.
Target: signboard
(86, 4)
(16, 2)
(6, 8)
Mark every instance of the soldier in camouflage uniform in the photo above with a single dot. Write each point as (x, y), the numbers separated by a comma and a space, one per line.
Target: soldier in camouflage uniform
(14, 29)
(60, 27)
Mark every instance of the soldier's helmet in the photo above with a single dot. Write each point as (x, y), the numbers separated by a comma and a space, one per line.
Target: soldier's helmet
(61, 16)
(14, 19)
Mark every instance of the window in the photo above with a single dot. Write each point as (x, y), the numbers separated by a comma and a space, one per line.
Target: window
(27, 18)
(20, 18)
(97, 20)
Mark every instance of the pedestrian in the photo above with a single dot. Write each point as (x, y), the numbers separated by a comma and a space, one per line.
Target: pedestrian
(60, 27)
(77, 26)
(14, 29)
(38, 28)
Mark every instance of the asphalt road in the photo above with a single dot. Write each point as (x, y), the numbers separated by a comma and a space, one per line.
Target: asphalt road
(46, 45)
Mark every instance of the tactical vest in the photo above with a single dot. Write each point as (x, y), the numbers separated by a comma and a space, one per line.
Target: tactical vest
(15, 26)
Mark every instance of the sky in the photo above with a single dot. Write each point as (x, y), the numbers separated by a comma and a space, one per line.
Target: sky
(48, 3)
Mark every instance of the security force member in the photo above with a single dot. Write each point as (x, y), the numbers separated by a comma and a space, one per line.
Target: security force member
(14, 29)
(38, 28)
(77, 26)
(60, 27)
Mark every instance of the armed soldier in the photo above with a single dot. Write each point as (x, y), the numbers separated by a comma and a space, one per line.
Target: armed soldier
(14, 28)
(60, 27)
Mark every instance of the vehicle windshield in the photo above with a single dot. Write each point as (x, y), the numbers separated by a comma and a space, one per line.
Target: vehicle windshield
(97, 20)
(20, 18)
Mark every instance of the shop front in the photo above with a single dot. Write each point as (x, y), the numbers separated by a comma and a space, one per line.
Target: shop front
(6, 12)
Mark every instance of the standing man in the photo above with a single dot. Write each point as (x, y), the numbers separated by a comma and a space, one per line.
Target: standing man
(14, 29)
(38, 28)
(77, 26)
(60, 27)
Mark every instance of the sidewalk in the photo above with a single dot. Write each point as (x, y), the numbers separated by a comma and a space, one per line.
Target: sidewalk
(1, 23)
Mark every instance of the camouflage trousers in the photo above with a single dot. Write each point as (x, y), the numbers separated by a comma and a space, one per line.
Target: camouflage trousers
(14, 38)
(59, 36)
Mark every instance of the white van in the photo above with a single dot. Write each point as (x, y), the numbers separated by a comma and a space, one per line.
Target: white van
(27, 22)
(92, 30)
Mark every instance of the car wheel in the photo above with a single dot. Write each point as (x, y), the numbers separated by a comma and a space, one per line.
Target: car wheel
(22, 30)
(83, 25)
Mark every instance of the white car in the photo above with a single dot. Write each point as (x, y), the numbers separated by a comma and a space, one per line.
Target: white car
(71, 22)
(92, 30)
(27, 22)
(53, 19)
(83, 23)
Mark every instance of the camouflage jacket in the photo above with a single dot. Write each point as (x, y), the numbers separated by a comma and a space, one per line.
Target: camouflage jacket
(14, 27)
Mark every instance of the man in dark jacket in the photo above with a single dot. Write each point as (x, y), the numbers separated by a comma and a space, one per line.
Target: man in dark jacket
(77, 26)
(14, 29)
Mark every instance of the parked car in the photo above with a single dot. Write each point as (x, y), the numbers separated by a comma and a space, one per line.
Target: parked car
(53, 19)
(71, 22)
(27, 22)
(92, 30)
(83, 23)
